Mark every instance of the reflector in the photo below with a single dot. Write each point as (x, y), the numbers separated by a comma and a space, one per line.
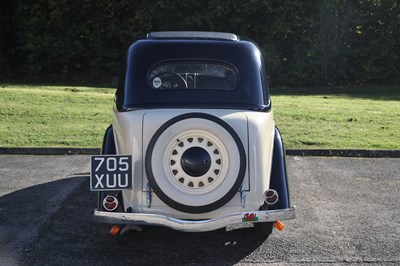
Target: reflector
(115, 230)
(279, 225)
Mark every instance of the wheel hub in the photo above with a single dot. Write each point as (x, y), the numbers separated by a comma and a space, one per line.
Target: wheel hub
(196, 161)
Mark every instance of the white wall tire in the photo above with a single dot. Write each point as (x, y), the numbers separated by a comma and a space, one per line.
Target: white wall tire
(215, 182)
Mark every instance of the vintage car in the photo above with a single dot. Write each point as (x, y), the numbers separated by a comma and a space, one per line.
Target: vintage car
(192, 145)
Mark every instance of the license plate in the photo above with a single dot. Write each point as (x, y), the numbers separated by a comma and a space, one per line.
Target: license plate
(111, 172)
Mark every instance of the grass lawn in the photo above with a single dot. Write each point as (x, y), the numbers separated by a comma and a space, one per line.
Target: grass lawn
(332, 117)
(50, 116)
(366, 117)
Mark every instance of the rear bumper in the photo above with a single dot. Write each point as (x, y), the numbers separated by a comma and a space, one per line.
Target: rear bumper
(194, 225)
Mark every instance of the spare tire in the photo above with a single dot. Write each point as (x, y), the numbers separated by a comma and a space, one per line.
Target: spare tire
(195, 163)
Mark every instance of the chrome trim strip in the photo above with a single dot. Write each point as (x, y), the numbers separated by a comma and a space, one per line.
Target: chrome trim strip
(190, 225)
(160, 35)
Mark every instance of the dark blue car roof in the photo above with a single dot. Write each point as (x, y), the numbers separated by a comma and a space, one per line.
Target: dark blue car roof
(134, 90)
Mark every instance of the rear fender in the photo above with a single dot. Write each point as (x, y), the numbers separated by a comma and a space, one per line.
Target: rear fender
(279, 180)
(108, 147)
(108, 142)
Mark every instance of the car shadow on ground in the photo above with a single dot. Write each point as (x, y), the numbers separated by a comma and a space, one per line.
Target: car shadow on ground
(70, 236)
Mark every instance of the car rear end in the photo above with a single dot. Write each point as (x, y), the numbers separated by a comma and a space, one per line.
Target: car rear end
(194, 120)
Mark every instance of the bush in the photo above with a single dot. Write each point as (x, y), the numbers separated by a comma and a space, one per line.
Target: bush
(315, 42)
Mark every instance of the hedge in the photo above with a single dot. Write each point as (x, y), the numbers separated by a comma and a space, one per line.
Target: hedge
(316, 42)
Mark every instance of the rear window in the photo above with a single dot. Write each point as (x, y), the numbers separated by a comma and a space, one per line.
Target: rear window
(193, 75)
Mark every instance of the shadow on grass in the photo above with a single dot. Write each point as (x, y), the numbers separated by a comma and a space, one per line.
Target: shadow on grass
(71, 237)
(390, 93)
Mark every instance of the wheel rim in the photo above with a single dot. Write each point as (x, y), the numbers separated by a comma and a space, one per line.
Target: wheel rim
(190, 183)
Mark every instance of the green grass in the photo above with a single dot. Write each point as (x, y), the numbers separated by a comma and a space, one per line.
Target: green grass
(339, 117)
(50, 116)
(330, 117)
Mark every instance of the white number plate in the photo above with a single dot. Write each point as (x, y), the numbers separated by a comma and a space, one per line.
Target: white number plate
(111, 172)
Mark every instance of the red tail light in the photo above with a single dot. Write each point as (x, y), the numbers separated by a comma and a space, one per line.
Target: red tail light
(271, 196)
(110, 203)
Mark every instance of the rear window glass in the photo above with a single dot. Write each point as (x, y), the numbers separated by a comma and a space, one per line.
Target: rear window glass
(193, 75)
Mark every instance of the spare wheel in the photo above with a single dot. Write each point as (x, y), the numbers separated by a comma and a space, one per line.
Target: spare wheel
(195, 163)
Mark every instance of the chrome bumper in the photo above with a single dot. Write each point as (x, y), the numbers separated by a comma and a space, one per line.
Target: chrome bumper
(194, 225)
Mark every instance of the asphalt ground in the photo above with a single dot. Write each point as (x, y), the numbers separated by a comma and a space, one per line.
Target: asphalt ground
(348, 212)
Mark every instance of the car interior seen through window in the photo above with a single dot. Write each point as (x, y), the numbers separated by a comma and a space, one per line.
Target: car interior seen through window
(193, 75)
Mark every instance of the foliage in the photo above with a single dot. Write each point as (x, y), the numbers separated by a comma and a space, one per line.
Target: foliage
(316, 42)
